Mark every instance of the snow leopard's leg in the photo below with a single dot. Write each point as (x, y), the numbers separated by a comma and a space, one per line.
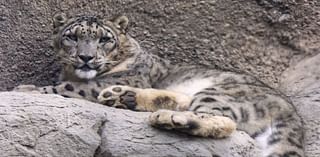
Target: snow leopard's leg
(258, 110)
(174, 117)
(263, 113)
(138, 99)
(88, 91)
(204, 125)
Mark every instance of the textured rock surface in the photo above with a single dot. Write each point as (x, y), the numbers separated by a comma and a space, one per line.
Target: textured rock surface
(302, 77)
(308, 106)
(302, 83)
(49, 125)
(261, 36)
(34, 125)
(126, 133)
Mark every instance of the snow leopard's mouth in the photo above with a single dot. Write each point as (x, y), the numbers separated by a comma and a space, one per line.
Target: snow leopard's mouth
(86, 67)
(86, 71)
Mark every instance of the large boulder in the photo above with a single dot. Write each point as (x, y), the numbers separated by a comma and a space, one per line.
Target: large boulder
(302, 83)
(262, 37)
(52, 126)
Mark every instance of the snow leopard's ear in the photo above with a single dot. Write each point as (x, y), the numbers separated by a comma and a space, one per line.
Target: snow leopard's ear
(59, 19)
(121, 23)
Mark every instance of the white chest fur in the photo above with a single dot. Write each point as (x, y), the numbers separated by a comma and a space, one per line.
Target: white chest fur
(192, 86)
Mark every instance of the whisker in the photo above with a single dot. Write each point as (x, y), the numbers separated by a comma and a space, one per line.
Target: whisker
(106, 62)
(67, 60)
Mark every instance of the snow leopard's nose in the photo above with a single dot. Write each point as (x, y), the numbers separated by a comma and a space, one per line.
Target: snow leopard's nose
(86, 58)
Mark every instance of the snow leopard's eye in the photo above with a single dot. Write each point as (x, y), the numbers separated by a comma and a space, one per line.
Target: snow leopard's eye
(72, 37)
(104, 39)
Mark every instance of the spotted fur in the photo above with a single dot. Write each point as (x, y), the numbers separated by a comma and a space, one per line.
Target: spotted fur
(102, 63)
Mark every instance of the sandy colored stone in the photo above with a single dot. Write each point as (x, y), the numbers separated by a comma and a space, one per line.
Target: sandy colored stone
(302, 83)
(302, 77)
(261, 37)
(52, 126)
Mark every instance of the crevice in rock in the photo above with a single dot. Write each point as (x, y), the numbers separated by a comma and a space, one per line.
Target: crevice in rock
(49, 132)
(97, 152)
(28, 146)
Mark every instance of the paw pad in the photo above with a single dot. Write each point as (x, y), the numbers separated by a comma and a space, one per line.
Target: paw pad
(118, 97)
(129, 99)
(107, 94)
(109, 102)
(116, 89)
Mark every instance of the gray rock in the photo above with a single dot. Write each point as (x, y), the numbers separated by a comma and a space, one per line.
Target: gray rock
(302, 77)
(48, 125)
(258, 37)
(308, 107)
(127, 134)
(53, 126)
(302, 83)
(245, 35)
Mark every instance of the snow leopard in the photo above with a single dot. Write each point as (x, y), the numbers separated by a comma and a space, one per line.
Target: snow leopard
(102, 63)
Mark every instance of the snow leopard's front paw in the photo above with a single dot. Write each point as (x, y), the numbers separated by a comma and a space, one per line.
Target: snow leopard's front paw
(27, 89)
(119, 97)
(204, 125)
(138, 99)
